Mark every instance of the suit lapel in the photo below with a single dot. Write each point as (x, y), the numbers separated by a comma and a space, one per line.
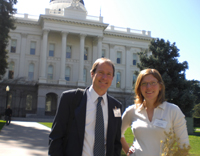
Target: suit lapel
(80, 114)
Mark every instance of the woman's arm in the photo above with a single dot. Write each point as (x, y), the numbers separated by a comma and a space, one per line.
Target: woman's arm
(180, 128)
(125, 145)
(126, 122)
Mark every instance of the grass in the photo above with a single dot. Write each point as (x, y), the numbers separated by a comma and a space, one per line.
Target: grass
(48, 124)
(194, 139)
(2, 123)
(197, 129)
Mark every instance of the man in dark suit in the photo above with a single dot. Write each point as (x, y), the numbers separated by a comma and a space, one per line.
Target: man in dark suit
(82, 135)
(8, 114)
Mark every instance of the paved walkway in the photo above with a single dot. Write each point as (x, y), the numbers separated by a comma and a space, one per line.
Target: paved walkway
(22, 138)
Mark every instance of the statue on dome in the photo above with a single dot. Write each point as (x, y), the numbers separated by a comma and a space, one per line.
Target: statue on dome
(81, 1)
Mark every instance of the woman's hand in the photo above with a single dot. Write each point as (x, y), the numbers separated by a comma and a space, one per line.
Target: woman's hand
(131, 150)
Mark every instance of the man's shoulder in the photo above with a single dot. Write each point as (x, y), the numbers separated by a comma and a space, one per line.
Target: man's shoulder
(69, 91)
(114, 99)
(73, 91)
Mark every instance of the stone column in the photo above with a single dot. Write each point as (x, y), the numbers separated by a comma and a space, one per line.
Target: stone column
(99, 46)
(63, 58)
(43, 57)
(41, 101)
(22, 55)
(128, 85)
(81, 60)
(112, 58)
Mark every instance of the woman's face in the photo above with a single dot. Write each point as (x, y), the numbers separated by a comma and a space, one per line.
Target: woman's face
(150, 88)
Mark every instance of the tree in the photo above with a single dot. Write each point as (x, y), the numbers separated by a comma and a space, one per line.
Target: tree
(196, 92)
(196, 110)
(164, 59)
(6, 23)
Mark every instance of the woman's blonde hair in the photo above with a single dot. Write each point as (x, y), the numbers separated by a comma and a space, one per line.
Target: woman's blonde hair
(138, 95)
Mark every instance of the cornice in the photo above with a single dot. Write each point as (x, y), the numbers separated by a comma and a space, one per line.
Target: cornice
(26, 22)
(72, 21)
(125, 35)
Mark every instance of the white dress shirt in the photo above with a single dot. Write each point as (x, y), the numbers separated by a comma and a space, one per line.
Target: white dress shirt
(92, 99)
(147, 134)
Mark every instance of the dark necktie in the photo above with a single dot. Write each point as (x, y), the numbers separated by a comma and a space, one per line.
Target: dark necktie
(99, 148)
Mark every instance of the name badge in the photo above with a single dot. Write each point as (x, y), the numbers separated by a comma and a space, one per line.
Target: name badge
(117, 112)
(160, 123)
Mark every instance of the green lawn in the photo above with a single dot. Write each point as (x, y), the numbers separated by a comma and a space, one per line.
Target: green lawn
(194, 139)
(2, 123)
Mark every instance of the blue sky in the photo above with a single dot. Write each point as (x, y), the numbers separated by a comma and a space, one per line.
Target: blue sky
(174, 20)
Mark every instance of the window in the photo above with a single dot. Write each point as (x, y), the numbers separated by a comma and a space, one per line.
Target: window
(103, 53)
(69, 52)
(67, 74)
(85, 53)
(13, 46)
(31, 72)
(51, 49)
(118, 80)
(50, 73)
(29, 101)
(32, 48)
(119, 55)
(11, 70)
(9, 99)
(134, 59)
(84, 75)
(48, 103)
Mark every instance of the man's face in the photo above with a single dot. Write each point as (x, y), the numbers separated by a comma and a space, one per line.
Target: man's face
(102, 78)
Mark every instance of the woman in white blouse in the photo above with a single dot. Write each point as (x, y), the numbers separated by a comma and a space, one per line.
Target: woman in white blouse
(150, 116)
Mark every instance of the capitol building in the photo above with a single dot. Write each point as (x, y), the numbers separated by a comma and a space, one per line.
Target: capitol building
(55, 52)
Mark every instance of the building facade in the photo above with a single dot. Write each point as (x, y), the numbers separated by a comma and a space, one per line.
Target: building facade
(55, 52)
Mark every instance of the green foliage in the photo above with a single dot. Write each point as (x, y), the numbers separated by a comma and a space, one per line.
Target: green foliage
(6, 23)
(164, 58)
(2, 123)
(196, 90)
(196, 109)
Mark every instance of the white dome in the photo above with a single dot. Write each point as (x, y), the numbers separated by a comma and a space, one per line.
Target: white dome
(62, 4)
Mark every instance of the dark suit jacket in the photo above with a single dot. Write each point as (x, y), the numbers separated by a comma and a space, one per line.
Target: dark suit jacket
(77, 130)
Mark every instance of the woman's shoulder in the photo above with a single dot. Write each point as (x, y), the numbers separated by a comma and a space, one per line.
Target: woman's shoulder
(171, 106)
(131, 108)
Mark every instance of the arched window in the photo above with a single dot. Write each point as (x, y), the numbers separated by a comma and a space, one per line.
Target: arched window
(13, 46)
(48, 103)
(31, 72)
(51, 104)
(67, 74)
(32, 48)
(119, 57)
(9, 99)
(103, 53)
(134, 79)
(118, 80)
(84, 75)
(29, 102)
(85, 53)
(69, 52)
(51, 49)
(135, 59)
(50, 73)
(11, 70)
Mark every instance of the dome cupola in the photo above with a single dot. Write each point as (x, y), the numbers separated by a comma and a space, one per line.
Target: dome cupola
(60, 5)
